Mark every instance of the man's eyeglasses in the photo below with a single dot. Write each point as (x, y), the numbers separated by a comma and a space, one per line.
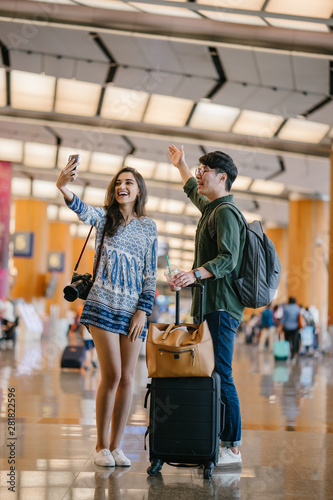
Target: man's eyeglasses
(200, 171)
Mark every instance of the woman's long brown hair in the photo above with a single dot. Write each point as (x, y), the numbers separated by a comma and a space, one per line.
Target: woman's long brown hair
(114, 217)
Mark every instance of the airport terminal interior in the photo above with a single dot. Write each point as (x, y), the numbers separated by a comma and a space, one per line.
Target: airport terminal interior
(117, 82)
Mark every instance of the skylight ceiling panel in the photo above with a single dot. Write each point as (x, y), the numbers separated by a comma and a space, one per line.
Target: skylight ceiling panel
(210, 116)
(104, 163)
(77, 98)
(65, 152)
(11, 150)
(152, 82)
(227, 17)
(267, 187)
(167, 111)
(324, 114)
(194, 59)
(145, 167)
(167, 173)
(32, 91)
(68, 2)
(302, 130)
(312, 74)
(257, 124)
(297, 103)
(3, 86)
(89, 71)
(233, 17)
(44, 189)
(94, 196)
(297, 25)
(160, 55)
(233, 94)
(238, 4)
(275, 69)
(245, 71)
(319, 8)
(165, 10)
(266, 100)
(20, 186)
(109, 4)
(124, 104)
(39, 155)
(194, 88)
(23, 61)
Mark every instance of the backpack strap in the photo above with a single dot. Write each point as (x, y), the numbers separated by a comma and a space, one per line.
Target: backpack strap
(211, 221)
(212, 226)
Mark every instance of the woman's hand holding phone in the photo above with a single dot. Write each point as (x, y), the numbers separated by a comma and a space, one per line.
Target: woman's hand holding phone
(68, 174)
(73, 161)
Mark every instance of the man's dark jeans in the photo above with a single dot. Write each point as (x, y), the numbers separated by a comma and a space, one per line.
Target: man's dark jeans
(223, 328)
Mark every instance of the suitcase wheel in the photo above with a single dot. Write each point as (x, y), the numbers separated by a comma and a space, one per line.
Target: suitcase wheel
(208, 471)
(155, 467)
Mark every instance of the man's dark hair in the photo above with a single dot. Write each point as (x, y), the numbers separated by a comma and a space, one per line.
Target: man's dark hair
(221, 162)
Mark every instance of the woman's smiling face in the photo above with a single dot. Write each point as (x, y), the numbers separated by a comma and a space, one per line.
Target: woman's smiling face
(126, 188)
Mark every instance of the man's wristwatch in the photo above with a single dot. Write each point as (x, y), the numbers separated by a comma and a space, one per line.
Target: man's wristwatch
(197, 274)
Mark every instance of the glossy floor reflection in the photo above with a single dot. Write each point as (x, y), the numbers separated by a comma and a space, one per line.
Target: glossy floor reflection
(287, 420)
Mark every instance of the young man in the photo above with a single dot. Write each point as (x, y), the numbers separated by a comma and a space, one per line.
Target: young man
(213, 263)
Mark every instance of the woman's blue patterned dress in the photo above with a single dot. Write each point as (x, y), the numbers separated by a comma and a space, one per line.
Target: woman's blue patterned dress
(126, 274)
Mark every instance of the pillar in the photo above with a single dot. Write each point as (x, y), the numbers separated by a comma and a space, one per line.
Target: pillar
(31, 217)
(307, 277)
(5, 191)
(60, 242)
(330, 257)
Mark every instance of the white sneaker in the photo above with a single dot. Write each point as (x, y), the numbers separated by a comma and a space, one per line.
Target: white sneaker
(120, 458)
(228, 458)
(104, 458)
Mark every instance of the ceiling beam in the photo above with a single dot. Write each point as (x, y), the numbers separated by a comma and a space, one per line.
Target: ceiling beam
(198, 31)
(272, 145)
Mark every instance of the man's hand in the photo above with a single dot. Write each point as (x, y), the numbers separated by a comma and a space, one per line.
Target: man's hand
(176, 156)
(184, 278)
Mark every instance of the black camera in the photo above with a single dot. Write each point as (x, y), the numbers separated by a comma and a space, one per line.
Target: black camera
(79, 287)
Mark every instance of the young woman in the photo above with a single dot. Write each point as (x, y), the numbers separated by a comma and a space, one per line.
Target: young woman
(120, 299)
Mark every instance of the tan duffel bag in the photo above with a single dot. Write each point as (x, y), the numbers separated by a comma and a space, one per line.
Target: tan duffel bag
(182, 350)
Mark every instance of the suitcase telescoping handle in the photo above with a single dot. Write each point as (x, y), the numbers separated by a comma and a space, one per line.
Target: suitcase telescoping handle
(202, 291)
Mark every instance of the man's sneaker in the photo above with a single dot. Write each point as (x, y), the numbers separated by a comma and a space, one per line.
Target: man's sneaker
(227, 458)
(104, 458)
(120, 458)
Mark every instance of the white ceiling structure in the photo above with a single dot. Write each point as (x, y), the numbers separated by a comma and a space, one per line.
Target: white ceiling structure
(118, 81)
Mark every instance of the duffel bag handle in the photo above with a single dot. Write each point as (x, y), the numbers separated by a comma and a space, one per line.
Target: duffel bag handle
(202, 292)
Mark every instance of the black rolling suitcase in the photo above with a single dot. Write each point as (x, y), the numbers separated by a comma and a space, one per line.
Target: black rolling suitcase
(184, 419)
(73, 356)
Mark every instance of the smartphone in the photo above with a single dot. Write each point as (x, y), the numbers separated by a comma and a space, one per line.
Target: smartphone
(76, 157)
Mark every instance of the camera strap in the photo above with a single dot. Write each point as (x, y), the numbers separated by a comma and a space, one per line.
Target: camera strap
(98, 255)
(84, 246)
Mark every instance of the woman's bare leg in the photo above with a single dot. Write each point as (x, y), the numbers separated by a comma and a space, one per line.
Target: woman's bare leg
(109, 357)
(129, 355)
